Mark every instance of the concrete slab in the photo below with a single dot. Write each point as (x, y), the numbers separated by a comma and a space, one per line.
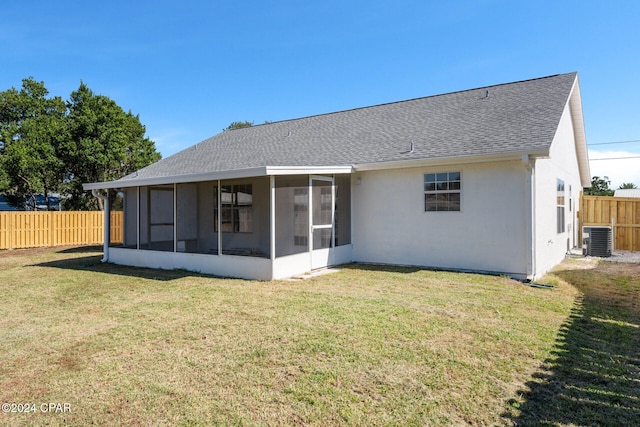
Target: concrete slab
(314, 273)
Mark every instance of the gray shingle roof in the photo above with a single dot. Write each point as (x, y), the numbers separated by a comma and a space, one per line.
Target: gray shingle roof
(514, 117)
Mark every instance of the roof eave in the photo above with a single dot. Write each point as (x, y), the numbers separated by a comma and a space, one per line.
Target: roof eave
(176, 179)
(213, 176)
(577, 118)
(309, 170)
(452, 160)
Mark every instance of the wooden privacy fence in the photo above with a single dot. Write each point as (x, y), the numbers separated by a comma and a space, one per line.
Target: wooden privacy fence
(624, 212)
(34, 229)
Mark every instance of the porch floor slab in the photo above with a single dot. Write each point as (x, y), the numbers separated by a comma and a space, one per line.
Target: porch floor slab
(313, 273)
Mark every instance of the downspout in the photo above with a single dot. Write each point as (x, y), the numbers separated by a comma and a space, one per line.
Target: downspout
(530, 207)
(107, 223)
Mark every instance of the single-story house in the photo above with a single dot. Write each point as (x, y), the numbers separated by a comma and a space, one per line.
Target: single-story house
(485, 180)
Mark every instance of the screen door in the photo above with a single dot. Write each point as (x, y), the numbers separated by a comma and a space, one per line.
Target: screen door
(321, 212)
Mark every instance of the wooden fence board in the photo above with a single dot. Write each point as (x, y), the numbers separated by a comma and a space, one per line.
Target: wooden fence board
(35, 229)
(623, 212)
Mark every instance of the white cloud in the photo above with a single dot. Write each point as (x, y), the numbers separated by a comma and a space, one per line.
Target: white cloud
(619, 170)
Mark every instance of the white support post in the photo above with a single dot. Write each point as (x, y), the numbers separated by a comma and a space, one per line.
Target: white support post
(175, 217)
(219, 191)
(272, 218)
(138, 218)
(107, 227)
(310, 218)
(333, 209)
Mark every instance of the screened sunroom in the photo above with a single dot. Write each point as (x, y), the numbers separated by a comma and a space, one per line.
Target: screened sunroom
(261, 227)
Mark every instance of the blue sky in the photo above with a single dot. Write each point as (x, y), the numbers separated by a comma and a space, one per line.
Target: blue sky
(190, 68)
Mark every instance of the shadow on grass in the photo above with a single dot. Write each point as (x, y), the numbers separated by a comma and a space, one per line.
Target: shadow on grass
(93, 263)
(593, 377)
(80, 249)
(388, 268)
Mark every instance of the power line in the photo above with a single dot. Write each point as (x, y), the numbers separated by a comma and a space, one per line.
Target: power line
(615, 142)
(616, 158)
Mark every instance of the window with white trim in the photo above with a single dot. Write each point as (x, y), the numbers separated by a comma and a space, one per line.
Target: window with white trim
(560, 205)
(442, 191)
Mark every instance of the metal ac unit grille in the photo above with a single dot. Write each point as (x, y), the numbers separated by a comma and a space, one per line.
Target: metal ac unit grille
(596, 241)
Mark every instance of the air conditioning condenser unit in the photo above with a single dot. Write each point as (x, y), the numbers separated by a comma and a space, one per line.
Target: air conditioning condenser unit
(596, 241)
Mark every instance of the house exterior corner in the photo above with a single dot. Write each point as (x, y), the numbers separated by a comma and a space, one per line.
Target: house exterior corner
(557, 194)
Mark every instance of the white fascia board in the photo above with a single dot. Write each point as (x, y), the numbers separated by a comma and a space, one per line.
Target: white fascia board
(577, 118)
(177, 179)
(229, 174)
(309, 170)
(456, 160)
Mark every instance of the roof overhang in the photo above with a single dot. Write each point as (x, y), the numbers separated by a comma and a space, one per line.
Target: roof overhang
(213, 176)
(575, 108)
(453, 160)
(314, 170)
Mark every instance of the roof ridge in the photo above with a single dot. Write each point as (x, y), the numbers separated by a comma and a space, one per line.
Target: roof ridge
(398, 102)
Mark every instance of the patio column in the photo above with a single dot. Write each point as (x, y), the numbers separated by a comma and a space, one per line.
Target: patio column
(272, 218)
(107, 227)
(175, 217)
(138, 217)
(219, 220)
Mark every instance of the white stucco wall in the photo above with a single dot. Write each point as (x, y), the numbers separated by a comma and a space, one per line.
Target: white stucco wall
(551, 246)
(224, 266)
(390, 224)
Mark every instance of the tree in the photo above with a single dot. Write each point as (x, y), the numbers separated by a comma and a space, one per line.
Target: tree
(239, 125)
(48, 145)
(599, 187)
(105, 144)
(627, 186)
(4, 177)
(32, 127)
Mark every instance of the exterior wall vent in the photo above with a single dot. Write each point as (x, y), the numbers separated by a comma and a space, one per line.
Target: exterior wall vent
(596, 241)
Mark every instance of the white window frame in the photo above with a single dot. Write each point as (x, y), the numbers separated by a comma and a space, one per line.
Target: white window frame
(560, 206)
(440, 183)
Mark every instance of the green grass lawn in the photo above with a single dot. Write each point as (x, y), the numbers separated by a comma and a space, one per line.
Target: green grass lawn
(364, 346)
